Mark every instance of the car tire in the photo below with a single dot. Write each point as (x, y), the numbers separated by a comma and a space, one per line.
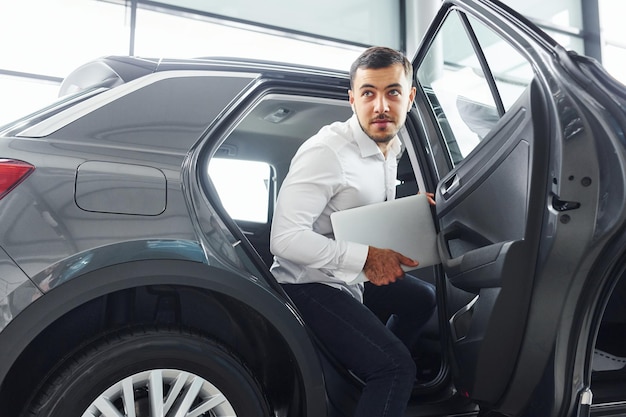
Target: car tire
(151, 369)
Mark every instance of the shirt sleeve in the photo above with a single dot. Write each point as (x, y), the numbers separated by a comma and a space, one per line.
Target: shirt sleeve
(314, 177)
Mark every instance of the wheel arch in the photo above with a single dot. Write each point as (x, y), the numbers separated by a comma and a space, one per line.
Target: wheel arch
(241, 312)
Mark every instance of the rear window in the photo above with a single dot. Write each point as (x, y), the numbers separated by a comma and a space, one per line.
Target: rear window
(165, 111)
(20, 125)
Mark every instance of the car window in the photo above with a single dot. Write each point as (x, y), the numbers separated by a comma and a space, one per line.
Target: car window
(243, 187)
(17, 127)
(183, 104)
(511, 72)
(252, 161)
(471, 77)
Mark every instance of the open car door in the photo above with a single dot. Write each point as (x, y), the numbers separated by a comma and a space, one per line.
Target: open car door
(517, 139)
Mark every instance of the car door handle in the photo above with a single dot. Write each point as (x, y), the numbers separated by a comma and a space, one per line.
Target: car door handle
(450, 186)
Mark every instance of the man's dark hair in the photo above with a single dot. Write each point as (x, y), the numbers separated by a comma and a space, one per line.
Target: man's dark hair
(377, 57)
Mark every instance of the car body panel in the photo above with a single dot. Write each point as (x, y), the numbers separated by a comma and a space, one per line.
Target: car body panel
(540, 173)
(121, 224)
(99, 243)
(99, 185)
(58, 160)
(17, 290)
(168, 272)
(488, 255)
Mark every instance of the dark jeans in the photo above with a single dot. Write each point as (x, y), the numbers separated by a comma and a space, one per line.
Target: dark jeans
(356, 336)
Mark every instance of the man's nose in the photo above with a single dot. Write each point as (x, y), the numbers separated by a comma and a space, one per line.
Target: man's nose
(381, 105)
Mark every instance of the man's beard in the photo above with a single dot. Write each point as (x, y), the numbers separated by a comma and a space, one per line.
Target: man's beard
(384, 139)
(378, 139)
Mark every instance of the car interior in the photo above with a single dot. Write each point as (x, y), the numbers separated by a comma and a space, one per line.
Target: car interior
(477, 100)
(270, 133)
(608, 379)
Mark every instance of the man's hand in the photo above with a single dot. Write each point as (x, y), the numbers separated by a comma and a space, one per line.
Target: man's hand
(383, 266)
(430, 197)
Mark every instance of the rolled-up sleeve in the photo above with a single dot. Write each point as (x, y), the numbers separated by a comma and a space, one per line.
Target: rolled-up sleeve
(315, 176)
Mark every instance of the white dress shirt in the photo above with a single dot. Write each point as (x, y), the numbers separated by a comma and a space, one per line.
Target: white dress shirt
(338, 168)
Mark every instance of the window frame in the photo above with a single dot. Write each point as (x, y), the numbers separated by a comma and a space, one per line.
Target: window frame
(490, 79)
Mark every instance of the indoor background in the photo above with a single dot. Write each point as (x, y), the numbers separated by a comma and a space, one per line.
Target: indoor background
(43, 40)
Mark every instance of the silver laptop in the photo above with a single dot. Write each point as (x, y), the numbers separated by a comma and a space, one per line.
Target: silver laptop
(404, 225)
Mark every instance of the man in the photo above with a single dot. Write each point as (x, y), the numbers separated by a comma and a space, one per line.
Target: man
(349, 164)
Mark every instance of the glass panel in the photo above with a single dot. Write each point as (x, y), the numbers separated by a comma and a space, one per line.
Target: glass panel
(166, 115)
(357, 21)
(457, 86)
(53, 37)
(21, 96)
(512, 72)
(243, 187)
(457, 89)
(199, 38)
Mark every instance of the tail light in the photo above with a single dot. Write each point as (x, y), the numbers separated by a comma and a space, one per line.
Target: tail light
(12, 172)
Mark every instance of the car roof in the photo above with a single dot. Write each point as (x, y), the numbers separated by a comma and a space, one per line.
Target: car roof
(111, 71)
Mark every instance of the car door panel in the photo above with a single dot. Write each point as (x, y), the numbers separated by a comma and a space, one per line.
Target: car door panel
(491, 116)
(487, 212)
(483, 226)
(478, 268)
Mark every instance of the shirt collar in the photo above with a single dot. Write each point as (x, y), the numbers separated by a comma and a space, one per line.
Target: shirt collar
(366, 145)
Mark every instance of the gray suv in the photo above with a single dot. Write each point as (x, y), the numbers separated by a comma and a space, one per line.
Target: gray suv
(134, 241)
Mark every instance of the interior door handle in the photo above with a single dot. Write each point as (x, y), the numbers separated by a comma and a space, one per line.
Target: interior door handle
(450, 186)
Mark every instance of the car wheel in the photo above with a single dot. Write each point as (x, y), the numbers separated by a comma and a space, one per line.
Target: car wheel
(150, 373)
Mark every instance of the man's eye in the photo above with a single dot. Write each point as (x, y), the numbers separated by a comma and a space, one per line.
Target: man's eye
(394, 93)
(367, 93)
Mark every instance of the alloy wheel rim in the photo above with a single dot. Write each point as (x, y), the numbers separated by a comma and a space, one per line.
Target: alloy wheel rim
(161, 393)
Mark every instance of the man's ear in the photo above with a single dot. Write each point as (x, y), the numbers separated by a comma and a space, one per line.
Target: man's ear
(411, 98)
(351, 99)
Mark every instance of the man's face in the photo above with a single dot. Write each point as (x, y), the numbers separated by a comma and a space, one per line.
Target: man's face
(381, 99)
